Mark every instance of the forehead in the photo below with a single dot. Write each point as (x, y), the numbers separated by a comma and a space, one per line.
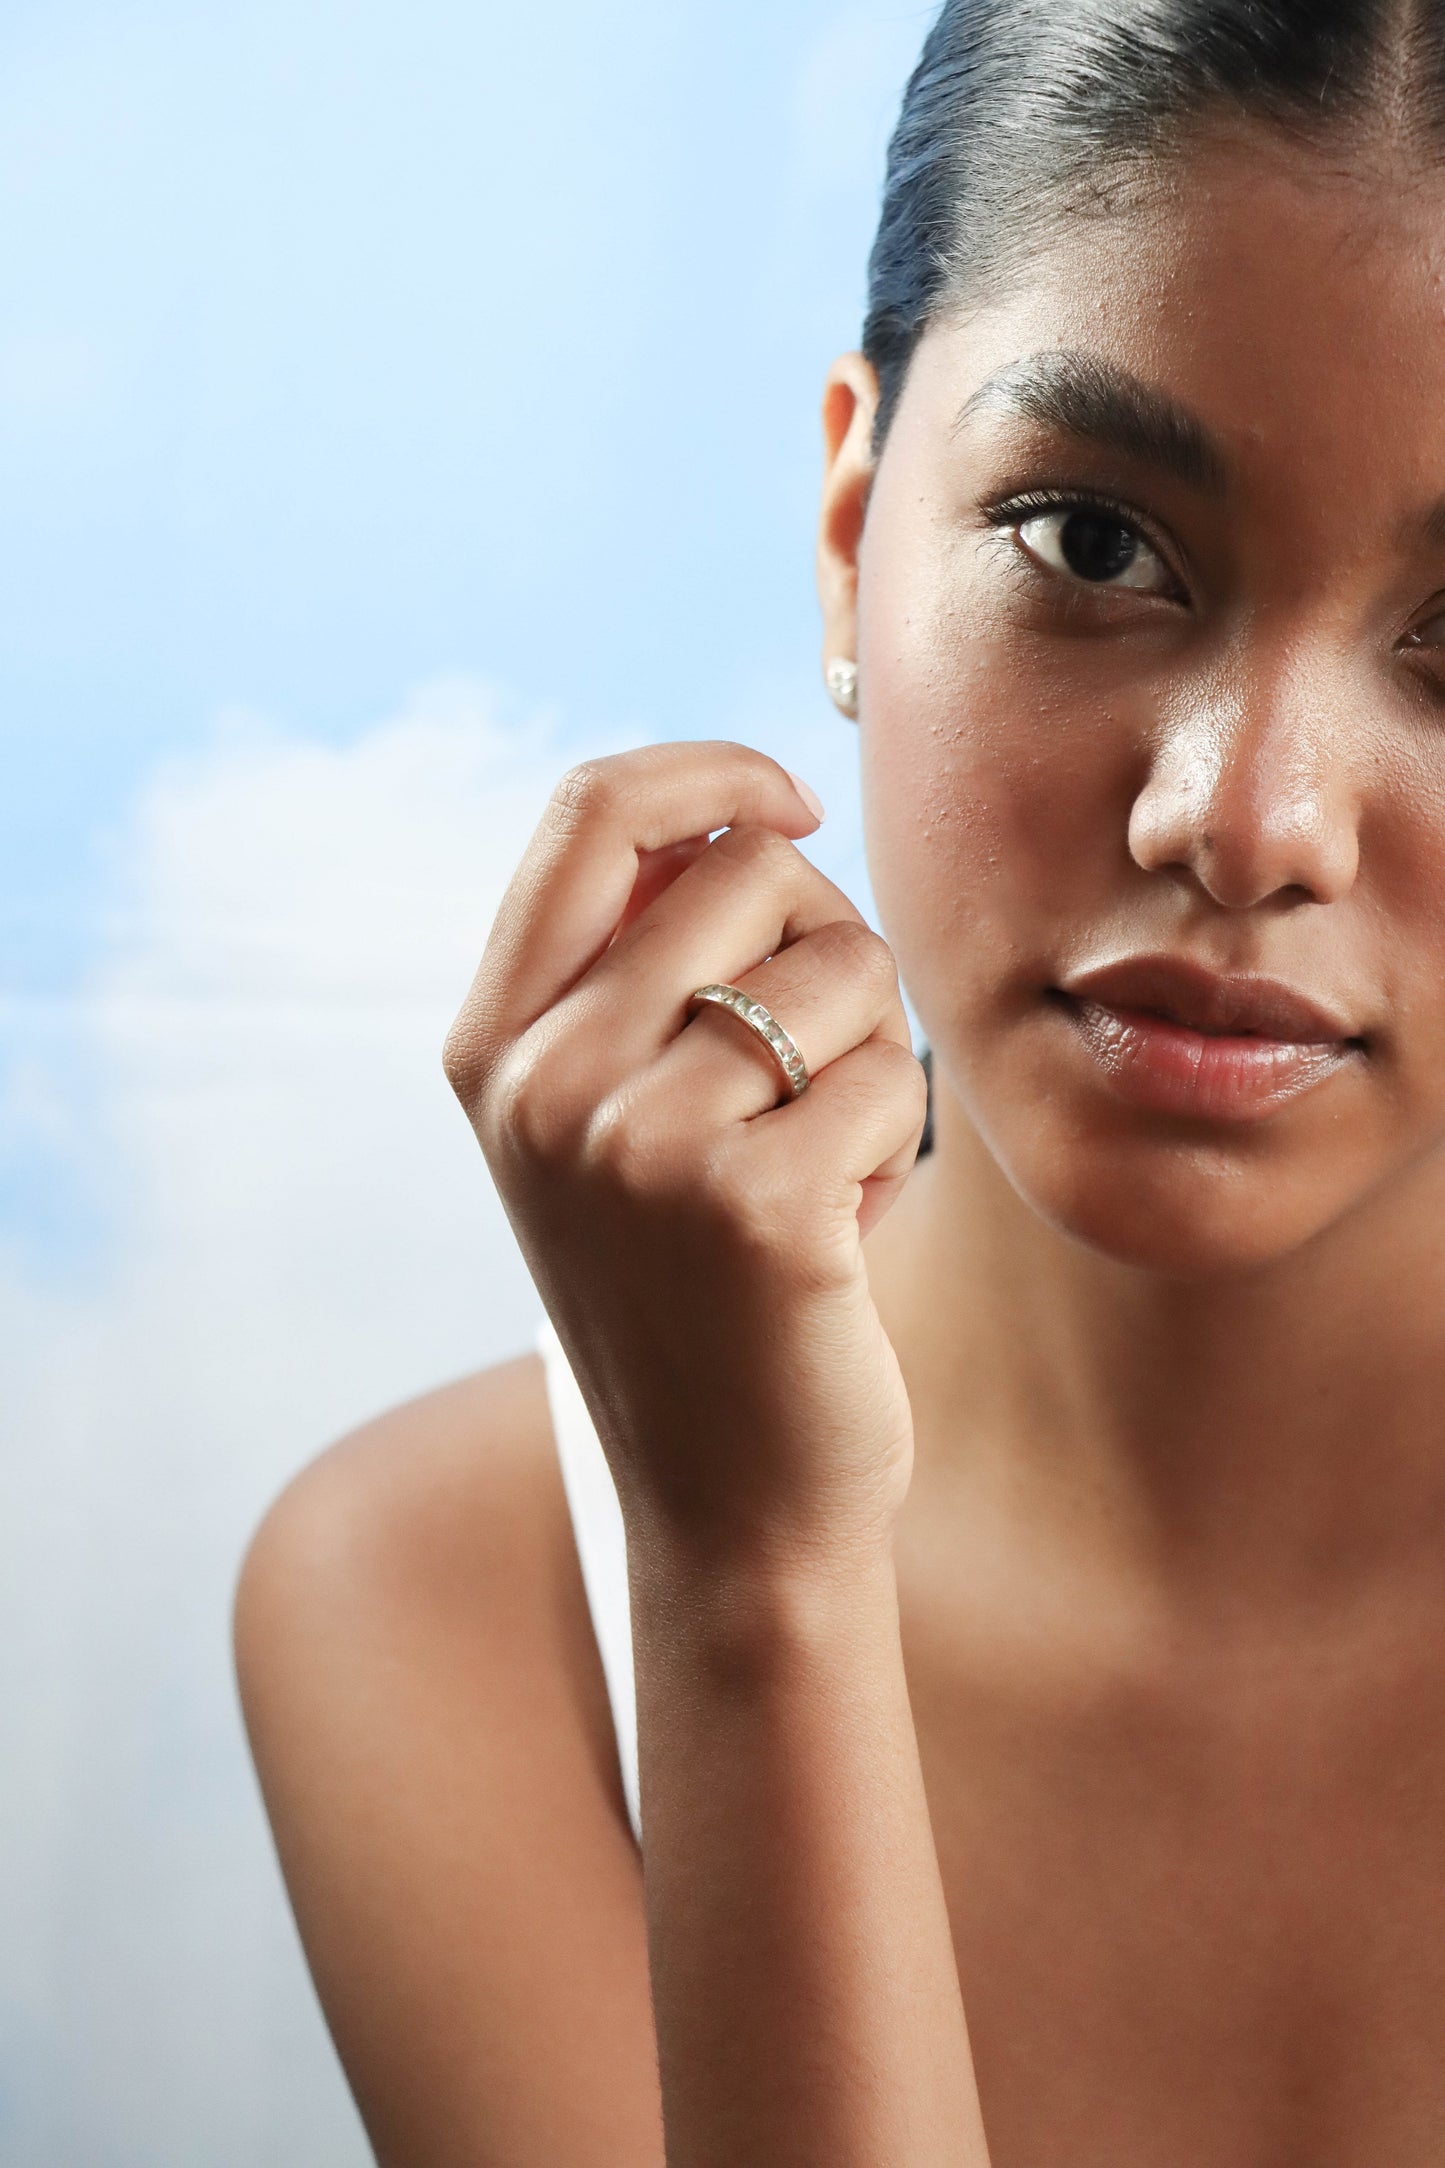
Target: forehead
(1295, 302)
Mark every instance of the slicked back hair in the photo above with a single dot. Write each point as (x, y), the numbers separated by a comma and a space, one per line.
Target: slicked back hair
(1019, 108)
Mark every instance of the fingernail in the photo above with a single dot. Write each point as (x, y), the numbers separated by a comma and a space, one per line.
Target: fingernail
(810, 798)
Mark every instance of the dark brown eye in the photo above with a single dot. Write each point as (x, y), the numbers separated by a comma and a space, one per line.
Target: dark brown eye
(1429, 634)
(1090, 544)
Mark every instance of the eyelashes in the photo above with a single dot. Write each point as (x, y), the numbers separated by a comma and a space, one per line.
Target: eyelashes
(1066, 543)
(1087, 538)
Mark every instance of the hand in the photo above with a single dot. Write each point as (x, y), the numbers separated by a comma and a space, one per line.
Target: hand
(697, 1244)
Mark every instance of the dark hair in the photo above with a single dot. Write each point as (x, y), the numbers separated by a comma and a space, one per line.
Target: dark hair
(925, 1142)
(1020, 110)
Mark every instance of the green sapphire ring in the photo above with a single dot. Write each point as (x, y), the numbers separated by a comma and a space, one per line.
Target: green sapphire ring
(767, 1027)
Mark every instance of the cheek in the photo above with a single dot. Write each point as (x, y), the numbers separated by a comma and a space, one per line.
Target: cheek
(1401, 908)
(996, 799)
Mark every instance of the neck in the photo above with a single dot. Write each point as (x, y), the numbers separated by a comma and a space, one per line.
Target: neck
(1274, 1438)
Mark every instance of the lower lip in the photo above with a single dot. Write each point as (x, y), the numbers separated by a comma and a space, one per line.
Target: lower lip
(1151, 1062)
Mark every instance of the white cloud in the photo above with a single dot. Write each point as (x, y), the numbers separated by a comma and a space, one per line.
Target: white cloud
(301, 1232)
(274, 869)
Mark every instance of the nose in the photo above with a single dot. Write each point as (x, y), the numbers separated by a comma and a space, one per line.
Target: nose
(1250, 792)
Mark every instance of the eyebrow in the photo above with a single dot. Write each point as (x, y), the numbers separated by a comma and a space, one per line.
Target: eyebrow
(1098, 400)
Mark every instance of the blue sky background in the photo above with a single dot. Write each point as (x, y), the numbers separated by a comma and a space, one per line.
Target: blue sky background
(343, 344)
(395, 403)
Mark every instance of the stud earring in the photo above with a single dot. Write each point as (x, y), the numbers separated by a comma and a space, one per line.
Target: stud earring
(843, 686)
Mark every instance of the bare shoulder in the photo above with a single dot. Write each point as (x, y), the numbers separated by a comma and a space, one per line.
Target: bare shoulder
(440, 1525)
(431, 1728)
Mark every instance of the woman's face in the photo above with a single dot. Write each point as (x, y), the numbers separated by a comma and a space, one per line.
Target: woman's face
(1204, 720)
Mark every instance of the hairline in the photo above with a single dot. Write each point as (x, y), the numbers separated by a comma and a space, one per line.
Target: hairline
(1114, 181)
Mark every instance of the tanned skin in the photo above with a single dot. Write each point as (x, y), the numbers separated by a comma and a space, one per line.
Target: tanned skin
(1038, 1558)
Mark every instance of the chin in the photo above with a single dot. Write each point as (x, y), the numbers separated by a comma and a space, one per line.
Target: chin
(1187, 1212)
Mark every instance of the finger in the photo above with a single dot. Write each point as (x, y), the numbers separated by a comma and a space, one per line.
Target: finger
(859, 1121)
(656, 871)
(830, 991)
(564, 902)
(747, 897)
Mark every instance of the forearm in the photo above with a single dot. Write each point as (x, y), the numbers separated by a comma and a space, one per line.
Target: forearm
(806, 1995)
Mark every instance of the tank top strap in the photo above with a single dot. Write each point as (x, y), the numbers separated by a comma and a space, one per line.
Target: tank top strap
(601, 1551)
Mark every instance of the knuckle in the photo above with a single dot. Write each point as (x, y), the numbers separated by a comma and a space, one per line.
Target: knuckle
(845, 951)
(626, 1148)
(898, 1070)
(762, 852)
(865, 952)
(913, 1078)
(463, 1059)
(586, 792)
(520, 1114)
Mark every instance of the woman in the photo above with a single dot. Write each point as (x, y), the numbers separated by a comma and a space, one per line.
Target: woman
(1037, 1555)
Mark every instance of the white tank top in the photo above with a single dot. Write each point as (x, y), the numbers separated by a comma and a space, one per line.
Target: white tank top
(601, 1550)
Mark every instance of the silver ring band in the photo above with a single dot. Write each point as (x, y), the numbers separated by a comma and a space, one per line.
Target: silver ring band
(767, 1027)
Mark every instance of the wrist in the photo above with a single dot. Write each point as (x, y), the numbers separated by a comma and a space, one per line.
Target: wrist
(747, 1614)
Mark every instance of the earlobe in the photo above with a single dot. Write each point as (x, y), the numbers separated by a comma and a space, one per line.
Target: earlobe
(842, 677)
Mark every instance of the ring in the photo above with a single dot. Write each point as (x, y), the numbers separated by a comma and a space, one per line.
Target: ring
(767, 1027)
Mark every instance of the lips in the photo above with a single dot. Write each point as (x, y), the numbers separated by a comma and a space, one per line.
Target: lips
(1213, 1003)
(1169, 1036)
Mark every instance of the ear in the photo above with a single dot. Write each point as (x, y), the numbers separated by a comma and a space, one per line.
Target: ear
(850, 402)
